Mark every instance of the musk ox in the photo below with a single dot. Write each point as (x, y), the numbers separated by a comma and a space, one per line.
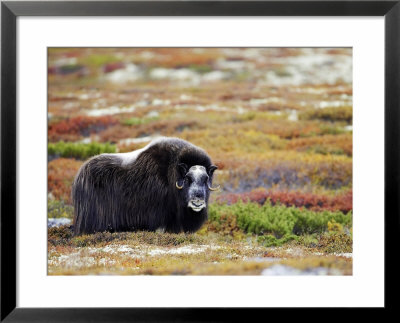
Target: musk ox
(165, 185)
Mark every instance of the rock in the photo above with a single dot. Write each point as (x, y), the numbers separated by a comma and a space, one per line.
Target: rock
(57, 222)
(283, 270)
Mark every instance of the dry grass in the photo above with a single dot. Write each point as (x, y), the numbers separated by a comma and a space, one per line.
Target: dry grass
(156, 253)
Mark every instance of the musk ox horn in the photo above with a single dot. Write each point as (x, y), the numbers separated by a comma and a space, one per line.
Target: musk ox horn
(213, 188)
(178, 187)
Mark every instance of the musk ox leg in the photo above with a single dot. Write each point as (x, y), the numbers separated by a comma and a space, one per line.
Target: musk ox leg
(173, 228)
(192, 221)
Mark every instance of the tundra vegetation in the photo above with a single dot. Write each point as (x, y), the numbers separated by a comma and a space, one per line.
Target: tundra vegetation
(277, 122)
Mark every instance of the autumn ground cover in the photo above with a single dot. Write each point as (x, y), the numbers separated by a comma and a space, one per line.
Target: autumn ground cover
(277, 122)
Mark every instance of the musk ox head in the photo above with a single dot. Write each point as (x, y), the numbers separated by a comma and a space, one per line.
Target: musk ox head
(195, 184)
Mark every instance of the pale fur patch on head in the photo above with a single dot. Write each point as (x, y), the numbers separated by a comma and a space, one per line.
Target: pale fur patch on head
(197, 171)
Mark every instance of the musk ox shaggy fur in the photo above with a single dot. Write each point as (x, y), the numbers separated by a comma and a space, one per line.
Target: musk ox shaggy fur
(165, 185)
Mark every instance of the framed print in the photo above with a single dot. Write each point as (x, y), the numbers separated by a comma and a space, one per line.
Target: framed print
(197, 158)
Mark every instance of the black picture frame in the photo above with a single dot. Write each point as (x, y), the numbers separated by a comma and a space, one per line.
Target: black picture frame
(11, 10)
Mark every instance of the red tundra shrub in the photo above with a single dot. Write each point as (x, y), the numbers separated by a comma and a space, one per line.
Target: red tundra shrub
(72, 129)
(61, 174)
(111, 67)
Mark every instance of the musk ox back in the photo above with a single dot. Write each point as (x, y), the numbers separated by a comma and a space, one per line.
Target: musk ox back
(165, 185)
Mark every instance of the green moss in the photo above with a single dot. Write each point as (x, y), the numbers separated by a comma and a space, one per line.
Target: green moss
(273, 221)
(271, 241)
(79, 150)
(137, 121)
(98, 60)
(72, 68)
